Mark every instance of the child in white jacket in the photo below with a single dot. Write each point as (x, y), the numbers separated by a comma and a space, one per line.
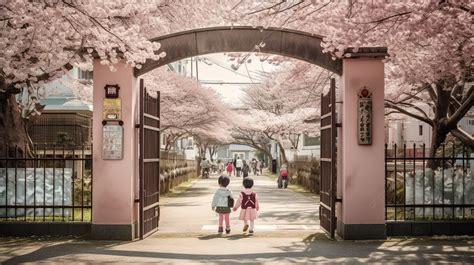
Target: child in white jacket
(221, 203)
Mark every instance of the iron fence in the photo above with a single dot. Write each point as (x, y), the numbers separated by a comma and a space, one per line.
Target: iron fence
(49, 183)
(69, 129)
(423, 188)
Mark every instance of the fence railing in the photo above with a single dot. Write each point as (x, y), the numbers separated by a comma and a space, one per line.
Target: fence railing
(49, 183)
(419, 187)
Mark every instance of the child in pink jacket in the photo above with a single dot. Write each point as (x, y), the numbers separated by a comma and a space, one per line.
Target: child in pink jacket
(248, 202)
(229, 168)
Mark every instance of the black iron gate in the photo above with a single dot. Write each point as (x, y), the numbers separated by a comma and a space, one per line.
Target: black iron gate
(327, 208)
(149, 162)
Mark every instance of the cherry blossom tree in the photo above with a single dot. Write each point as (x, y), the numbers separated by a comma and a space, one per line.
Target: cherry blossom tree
(188, 108)
(430, 45)
(431, 63)
(253, 137)
(218, 134)
(42, 40)
(283, 106)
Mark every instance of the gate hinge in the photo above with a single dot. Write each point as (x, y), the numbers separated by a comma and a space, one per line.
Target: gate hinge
(137, 200)
(137, 125)
(338, 124)
(338, 199)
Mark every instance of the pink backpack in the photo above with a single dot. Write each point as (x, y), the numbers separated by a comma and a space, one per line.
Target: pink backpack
(284, 172)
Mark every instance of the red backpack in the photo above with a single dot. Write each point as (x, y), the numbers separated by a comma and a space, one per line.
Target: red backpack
(284, 173)
(248, 200)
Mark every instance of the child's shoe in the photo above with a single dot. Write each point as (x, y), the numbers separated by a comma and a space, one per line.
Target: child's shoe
(251, 232)
(227, 230)
(246, 227)
(220, 230)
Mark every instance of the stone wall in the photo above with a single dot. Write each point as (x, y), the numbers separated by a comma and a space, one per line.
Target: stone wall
(306, 174)
(175, 170)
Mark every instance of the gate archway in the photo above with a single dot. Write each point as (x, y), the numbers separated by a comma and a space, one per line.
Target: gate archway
(361, 166)
(290, 43)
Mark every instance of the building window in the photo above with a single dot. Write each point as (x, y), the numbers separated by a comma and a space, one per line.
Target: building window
(86, 75)
(470, 122)
(310, 141)
(190, 145)
(420, 129)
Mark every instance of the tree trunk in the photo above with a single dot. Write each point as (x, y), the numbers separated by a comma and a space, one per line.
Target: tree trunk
(13, 130)
(198, 165)
(283, 154)
(265, 151)
(269, 160)
(439, 133)
(212, 151)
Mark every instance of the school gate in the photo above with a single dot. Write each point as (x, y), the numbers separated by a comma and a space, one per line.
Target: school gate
(327, 162)
(130, 207)
(364, 194)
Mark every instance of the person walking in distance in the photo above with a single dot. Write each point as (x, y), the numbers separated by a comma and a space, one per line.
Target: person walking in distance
(229, 168)
(220, 166)
(205, 167)
(283, 179)
(238, 166)
(253, 166)
(234, 164)
(248, 202)
(222, 203)
(258, 164)
(245, 169)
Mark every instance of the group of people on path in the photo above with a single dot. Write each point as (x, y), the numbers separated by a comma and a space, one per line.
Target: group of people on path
(223, 204)
(237, 166)
(240, 167)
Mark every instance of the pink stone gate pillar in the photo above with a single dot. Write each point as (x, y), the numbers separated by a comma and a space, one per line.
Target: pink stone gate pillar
(114, 183)
(362, 212)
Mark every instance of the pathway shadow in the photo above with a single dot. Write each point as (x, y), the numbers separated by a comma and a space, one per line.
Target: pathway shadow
(191, 192)
(311, 249)
(238, 236)
(208, 237)
(223, 236)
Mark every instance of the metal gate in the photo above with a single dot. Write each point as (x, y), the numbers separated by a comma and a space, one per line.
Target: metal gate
(327, 183)
(149, 162)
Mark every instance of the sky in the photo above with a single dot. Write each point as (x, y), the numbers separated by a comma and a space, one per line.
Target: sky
(215, 71)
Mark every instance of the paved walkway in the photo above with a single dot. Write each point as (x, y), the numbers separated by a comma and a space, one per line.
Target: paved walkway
(280, 209)
(287, 232)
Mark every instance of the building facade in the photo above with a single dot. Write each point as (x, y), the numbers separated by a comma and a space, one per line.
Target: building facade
(232, 151)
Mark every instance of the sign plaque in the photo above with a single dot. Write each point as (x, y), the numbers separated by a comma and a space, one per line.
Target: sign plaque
(112, 109)
(364, 117)
(112, 142)
(112, 91)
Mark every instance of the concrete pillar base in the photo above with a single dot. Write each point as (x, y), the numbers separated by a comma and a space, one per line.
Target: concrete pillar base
(361, 231)
(114, 232)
